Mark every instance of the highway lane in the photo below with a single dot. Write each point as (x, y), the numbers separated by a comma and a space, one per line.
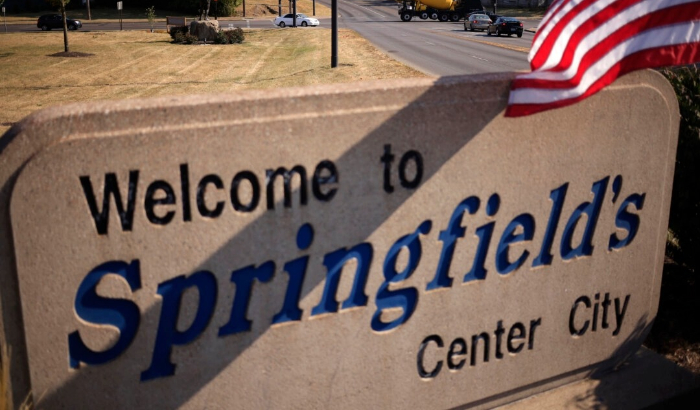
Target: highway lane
(114, 25)
(430, 46)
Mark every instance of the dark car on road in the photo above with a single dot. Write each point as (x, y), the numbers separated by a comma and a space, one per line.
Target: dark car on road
(506, 25)
(49, 21)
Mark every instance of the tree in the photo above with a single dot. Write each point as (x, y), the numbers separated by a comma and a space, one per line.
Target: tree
(61, 4)
(151, 16)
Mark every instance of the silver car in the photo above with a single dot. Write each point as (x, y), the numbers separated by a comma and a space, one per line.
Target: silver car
(477, 22)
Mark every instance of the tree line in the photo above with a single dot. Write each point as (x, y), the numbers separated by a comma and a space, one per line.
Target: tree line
(189, 7)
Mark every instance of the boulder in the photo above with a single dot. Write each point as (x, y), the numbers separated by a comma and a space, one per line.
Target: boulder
(205, 29)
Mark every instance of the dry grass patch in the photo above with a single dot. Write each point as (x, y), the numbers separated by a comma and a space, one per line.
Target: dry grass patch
(268, 8)
(138, 64)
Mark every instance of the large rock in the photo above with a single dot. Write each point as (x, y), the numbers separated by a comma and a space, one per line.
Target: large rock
(205, 29)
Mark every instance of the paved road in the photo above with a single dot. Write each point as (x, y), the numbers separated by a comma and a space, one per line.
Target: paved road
(430, 46)
(434, 47)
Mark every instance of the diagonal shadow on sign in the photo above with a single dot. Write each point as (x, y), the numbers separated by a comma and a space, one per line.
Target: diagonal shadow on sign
(432, 113)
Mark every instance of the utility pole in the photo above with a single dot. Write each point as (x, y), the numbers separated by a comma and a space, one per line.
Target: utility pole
(88, 9)
(334, 33)
(295, 13)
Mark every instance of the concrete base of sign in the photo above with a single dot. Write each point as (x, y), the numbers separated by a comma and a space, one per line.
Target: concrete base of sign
(645, 380)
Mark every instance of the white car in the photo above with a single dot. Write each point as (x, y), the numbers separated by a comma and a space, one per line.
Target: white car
(302, 20)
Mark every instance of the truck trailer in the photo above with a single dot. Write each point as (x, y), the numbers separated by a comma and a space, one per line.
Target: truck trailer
(443, 10)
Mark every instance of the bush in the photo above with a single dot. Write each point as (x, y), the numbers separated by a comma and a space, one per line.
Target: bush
(184, 38)
(684, 223)
(191, 39)
(234, 36)
(220, 38)
(175, 30)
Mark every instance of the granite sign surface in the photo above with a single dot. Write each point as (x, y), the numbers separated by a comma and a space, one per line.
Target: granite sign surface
(395, 244)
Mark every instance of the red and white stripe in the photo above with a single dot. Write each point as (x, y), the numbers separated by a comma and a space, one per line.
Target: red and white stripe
(583, 45)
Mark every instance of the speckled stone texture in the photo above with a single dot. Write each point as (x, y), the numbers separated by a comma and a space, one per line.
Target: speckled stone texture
(430, 253)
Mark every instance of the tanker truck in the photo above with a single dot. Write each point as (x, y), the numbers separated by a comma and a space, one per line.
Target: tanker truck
(443, 10)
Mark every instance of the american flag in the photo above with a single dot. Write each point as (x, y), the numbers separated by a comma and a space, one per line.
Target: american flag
(582, 46)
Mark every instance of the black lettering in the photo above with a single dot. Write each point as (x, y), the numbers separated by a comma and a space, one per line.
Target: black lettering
(475, 340)
(255, 187)
(421, 352)
(185, 186)
(270, 177)
(111, 187)
(387, 159)
(533, 326)
(499, 334)
(418, 159)
(202, 189)
(572, 328)
(319, 180)
(151, 202)
(459, 342)
(516, 336)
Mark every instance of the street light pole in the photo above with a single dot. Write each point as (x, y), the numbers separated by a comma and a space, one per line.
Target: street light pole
(334, 33)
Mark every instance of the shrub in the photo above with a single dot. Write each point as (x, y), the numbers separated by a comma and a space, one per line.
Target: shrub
(221, 38)
(178, 37)
(235, 36)
(684, 223)
(175, 30)
(191, 39)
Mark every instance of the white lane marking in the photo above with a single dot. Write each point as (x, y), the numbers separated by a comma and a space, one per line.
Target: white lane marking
(479, 58)
(432, 44)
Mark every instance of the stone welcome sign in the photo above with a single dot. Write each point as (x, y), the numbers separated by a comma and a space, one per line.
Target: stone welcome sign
(382, 245)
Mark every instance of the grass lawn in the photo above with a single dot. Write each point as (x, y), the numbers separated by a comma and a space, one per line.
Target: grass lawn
(134, 64)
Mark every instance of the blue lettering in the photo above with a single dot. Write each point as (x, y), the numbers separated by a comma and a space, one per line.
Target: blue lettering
(557, 196)
(478, 271)
(297, 271)
(627, 221)
(449, 238)
(120, 313)
(406, 298)
(527, 223)
(243, 278)
(168, 335)
(592, 210)
(334, 263)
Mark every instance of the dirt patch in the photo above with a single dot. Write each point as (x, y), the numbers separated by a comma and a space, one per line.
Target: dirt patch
(71, 54)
